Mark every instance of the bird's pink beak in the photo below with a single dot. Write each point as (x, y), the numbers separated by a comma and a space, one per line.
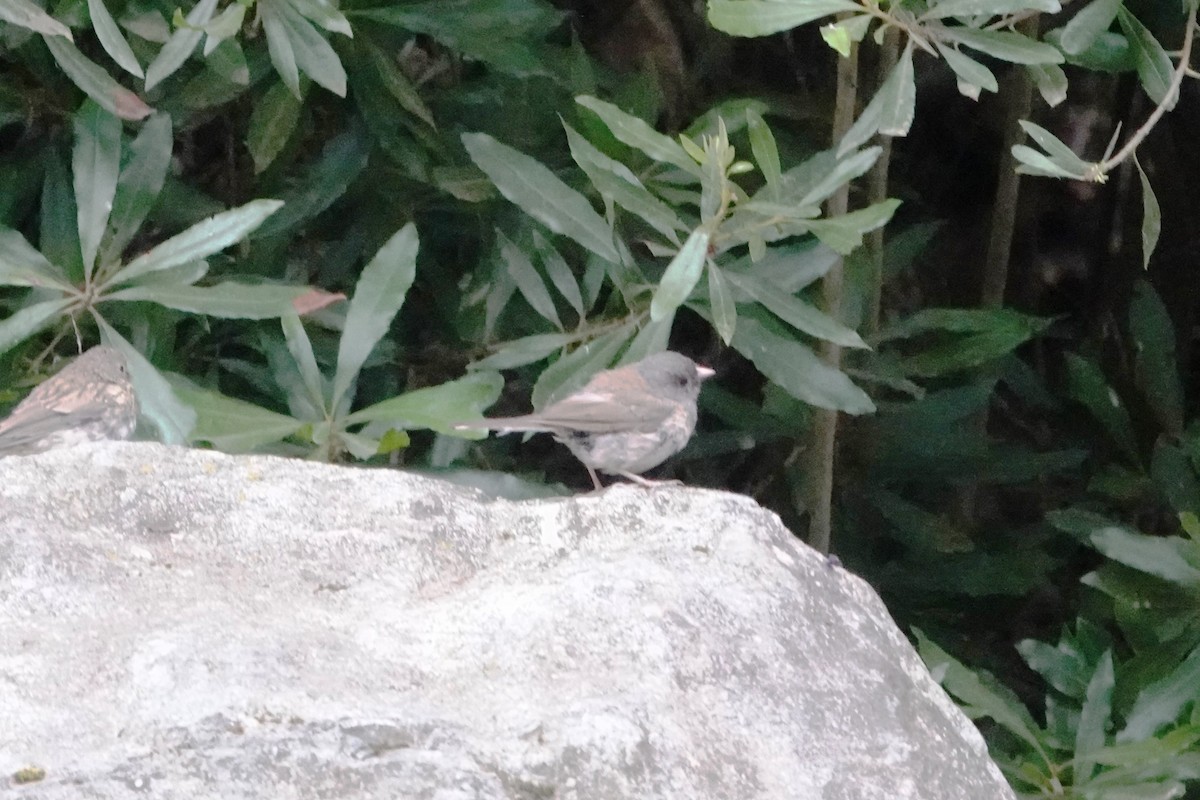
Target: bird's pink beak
(705, 372)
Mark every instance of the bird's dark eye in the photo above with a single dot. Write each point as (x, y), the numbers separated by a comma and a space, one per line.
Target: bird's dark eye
(681, 380)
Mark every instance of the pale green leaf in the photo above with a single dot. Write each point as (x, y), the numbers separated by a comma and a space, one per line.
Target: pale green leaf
(111, 39)
(272, 123)
(527, 183)
(139, 184)
(438, 408)
(720, 300)
(19, 326)
(890, 111)
(1006, 45)
(201, 240)
(1151, 216)
(181, 44)
(95, 163)
(764, 17)
(378, 297)
(22, 265)
(1092, 20)
(95, 82)
(1153, 64)
(25, 14)
(636, 133)
(681, 276)
(227, 300)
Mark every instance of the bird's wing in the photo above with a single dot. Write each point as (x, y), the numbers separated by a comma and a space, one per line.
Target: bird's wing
(31, 422)
(602, 412)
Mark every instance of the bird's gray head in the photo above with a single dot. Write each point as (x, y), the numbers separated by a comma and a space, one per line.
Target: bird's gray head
(102, 364)
(673, 375)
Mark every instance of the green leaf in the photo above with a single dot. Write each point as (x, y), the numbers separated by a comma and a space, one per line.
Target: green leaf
(616, 183)
(272, 123)
(988, 8)
(819, 176)
(341, 162)
(111, 39)
(681, 276)
(1161, 557)
(201, 240)
(1087, 385)
(21, 265)
(95, 82)
(576, 368)
(1151, 216)
(764, 17)
(560, 274)
(95, 162)
(378, 296)
(652, 338)
(139, 184)
(1092, 20)
(796, 312)
(969, 71)
(397, 84)
(796, 369)
(720, 300)
(1094, 718)
(762, 145)
(1164, 701)
(1175, 477)
(230, 425)
(227, 300)
(223, 27)
(844, 234)
(890, 111)
(527, 279)
(1156, 367)
(1006, 45)
(58, 234)
(181, 44)
(1051, 82)
(312, 53)
(438, 408)
(25, 14)
(528, 350)
(19, 326)
(300, 346)
(279, 46)
(324, 14)
(497, 32)
(979, 699)
(157, 401)
(539, 193)
(1062, 155)
(1153, 64)
(634, 132)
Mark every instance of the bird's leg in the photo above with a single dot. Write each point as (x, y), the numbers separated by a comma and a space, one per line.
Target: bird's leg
(647, 483)
(595, 478)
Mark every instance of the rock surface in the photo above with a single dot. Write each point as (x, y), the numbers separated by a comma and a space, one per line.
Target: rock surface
(183, 624)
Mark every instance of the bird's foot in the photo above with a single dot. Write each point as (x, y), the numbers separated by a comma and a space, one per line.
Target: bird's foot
(648, 483)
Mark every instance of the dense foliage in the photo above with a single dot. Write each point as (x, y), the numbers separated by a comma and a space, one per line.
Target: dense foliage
(326, 230)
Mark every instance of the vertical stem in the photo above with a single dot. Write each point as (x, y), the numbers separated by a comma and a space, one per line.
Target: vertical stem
(1018, 100)
(877, 190)
(820, 488)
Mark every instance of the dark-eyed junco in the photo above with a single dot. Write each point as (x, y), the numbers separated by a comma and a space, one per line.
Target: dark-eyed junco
(90, 399)
(625, 420)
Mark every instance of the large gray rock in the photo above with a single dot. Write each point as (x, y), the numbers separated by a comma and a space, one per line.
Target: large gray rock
(183, 624)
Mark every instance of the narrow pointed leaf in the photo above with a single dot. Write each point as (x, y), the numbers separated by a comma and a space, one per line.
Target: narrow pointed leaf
(314, 55)
(795, 312)
(22, 265)
(95, 82)
(1092, 20)
(1153, 64)
(438, 408)
(378, 296)
(25, 14)
(1006, 46)
(227, 300)
(764, 17)
(636, 133)
(157, 401)
(279, 46)
(720, 300)
(95, 163)
(230, 425)
(1151, 216)
(890, 111)
(201, 240)
(181, 44)
(140, 182)
(111, 38)
(681, 276)
(300, 346)
(527, 183)
(529, 282)
(29, 320)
